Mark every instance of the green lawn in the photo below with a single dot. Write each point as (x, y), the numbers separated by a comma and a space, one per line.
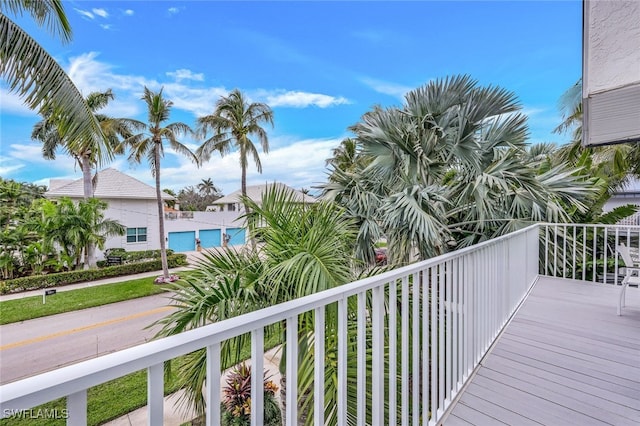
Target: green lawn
(73, 300)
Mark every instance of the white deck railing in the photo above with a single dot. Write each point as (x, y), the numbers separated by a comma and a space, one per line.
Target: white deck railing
(432, 322)
(586, 252)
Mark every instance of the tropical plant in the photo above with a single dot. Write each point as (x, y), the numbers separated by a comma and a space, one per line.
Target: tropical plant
(449, 168)
(303, 249)
(236, 399)
(38, 78)
(150, 145)
(71, 227)
(85, 152)
(232, 123)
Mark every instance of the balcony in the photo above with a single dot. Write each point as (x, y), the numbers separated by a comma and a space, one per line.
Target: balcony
(521, 329)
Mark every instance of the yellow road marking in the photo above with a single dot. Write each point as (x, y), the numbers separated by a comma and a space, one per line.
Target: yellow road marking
(86, 327)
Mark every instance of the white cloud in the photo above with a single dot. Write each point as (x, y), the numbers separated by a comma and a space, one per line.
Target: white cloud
(173, 10)
(199, 101)
(300, 164)
(100, 12)
(386, 88)
(129, 12)
(85, 13)
(185, 74)
(298, 99)
(13, 104)
(106, 26)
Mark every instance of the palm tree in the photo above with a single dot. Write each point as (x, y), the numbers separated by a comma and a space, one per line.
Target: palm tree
(39, 79)
(232, 123)
(151, 146)
(84, 152)
(304, 249)
(207, 187)
(448, 169)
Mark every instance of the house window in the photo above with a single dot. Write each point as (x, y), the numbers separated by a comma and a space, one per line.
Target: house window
(136, 235)
(231, 207)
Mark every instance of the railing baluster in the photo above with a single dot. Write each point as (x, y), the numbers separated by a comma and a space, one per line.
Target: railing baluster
(574, 254)
(292, 372)
(448, 339)
(405, 352)
(605, 251)
(428, 346)
(318, 363)
(415, 333)
(377, 365)
(213, 385)
(361, 398)
(257, 371)
(155, 394)
(455, 302)
(77, 409)
(584, 253)
(433, 343)
(342, 362)
(393, 351)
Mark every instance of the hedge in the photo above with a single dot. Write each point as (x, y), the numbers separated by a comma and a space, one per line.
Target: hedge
(64, 278)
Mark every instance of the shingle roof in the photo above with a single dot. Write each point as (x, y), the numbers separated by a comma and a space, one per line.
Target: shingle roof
(112, 184)
(255, 192)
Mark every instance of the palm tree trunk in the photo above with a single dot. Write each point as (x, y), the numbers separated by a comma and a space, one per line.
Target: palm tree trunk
(87, 184)
(163, 246)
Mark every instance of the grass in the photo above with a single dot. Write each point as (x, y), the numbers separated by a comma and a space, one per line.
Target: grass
(66, 301)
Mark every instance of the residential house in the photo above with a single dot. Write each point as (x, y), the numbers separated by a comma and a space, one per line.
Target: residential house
(231, 202)
(130, 202)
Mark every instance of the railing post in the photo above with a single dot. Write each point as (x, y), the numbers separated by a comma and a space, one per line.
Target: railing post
(77, 409)
(155, 394)
(213, 385)
(377, 365)
(292, 372)
(318, 367)
(361, 374)
(342, 362)
(257, 375)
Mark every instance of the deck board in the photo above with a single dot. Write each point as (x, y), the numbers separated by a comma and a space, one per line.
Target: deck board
(566, 358)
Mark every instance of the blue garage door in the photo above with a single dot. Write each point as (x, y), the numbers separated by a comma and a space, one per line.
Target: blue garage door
(237, 236)
(210, 238)
(182, 241)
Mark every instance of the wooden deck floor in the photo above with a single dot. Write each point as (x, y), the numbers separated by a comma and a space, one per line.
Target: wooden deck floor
(565, 359)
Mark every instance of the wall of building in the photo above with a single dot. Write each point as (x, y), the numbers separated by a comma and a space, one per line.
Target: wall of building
(612, 60)
(134, 214)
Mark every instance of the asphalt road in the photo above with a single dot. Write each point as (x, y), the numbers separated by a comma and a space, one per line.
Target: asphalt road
(35, 346)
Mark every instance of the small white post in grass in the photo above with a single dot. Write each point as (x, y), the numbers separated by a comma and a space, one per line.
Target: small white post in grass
(47, 293)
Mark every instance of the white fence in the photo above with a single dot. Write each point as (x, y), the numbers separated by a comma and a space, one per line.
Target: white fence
(419, 332)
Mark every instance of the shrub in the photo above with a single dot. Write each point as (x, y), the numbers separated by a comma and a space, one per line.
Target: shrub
(72, 277)
(236, 399)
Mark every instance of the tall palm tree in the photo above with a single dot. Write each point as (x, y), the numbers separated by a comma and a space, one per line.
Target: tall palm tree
(85, 152)
(150, 145)
(39, 79)
(232, 123)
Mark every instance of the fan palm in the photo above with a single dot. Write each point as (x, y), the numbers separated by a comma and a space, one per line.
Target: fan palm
(38, 78)
(151, 146)
(448, 169)
(232, 123)
(85, 152)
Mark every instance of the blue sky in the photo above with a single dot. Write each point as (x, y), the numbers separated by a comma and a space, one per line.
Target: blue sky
(319, 65)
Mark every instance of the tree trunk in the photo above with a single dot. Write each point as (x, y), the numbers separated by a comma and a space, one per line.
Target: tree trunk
(87, 184)
(163, 245)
